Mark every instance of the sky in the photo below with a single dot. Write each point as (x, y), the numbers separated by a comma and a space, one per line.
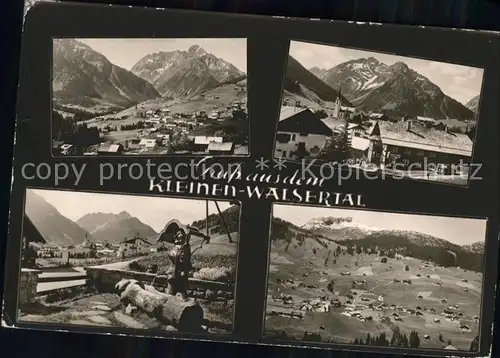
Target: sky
(461, 83)
(458, 231)
(153, 211)
(127, 52)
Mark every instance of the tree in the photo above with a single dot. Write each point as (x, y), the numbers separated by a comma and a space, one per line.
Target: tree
(474, 346)
(321, 113)
(358, 250)
(350, 250)
(407, 268)
(391, 254)
(414, 339)
(368, 339)
(383, 260)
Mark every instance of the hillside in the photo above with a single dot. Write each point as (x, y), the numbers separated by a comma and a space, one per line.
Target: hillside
(54, 227)
(183, 73)
(301, 82)
(85, 79)
(394, 89)
(230, 216)
(114, 228)
(404, 242)
(422, 246)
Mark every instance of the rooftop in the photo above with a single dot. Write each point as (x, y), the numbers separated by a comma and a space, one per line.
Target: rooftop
(222, 147)
(421, 137)
(301, 120)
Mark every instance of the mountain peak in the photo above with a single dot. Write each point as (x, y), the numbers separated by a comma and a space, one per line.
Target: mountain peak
(124, 215)
(197, 50)
(400, 67)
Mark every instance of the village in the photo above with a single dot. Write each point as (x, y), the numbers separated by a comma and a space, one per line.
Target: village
(419, 147)
(94, 283)
(160, 130)
(325, 300)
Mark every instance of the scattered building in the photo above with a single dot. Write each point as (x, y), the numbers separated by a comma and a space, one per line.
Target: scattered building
(134, 247)
(110, 149)
(226, 148)
(300, 133)
(406, 142)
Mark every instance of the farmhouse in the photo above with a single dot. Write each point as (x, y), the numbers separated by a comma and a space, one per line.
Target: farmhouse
(133, 247)
(405, 142)
(300, 133)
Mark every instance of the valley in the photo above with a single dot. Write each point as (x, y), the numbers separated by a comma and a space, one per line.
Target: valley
(338, 287)
(170, 102)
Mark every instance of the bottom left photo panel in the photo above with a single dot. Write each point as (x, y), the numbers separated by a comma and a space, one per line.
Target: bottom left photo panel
(128, 261)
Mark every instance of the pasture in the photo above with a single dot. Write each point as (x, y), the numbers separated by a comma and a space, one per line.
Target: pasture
(301, 275)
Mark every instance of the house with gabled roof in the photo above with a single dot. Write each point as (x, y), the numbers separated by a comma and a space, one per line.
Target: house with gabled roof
(300, 131)
(406, 142)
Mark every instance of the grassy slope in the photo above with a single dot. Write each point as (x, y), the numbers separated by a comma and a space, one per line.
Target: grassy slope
(300, 260)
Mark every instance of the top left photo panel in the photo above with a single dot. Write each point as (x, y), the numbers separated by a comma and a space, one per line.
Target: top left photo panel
(149, 96)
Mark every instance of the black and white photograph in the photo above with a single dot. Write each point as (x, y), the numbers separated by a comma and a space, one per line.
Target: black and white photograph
(379, 112)
(155, 263)
(153, 96)
(375, 278)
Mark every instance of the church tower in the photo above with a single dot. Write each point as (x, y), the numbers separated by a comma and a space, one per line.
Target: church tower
(338, 105)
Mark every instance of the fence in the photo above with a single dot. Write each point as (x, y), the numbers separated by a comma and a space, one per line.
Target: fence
(35, 283)
(104, 280)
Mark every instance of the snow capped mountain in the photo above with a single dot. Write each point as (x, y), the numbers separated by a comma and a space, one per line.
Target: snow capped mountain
(473, 104)
(338, 229)
(395, 89)
(84, 77)
(179, 73)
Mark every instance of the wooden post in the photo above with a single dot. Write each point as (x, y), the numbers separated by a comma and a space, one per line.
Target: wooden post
(223, 222)
(183, 313)
(206, 217)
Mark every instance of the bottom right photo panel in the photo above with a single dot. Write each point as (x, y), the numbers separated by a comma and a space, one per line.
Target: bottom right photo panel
(375, 278)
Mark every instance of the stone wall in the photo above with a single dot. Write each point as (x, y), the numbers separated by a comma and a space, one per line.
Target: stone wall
(28, 286)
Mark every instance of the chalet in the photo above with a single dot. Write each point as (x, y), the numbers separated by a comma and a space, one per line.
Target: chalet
(148, 143)
(404, 142)
(133, 247)
(133, 144)
(110, 149)
(378, 117)
(425, 120)
(226, 148)
(201, 143)
(300, 133)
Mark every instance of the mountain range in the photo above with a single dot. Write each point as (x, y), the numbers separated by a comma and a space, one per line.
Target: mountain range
(85, 78)
(57, 229)
(54, 227)
(373, 86)
(302, 83)
(344, 231)
(182, 73)
(114, 228)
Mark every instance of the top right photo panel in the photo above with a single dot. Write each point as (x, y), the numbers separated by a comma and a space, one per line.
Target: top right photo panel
(382, 113)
